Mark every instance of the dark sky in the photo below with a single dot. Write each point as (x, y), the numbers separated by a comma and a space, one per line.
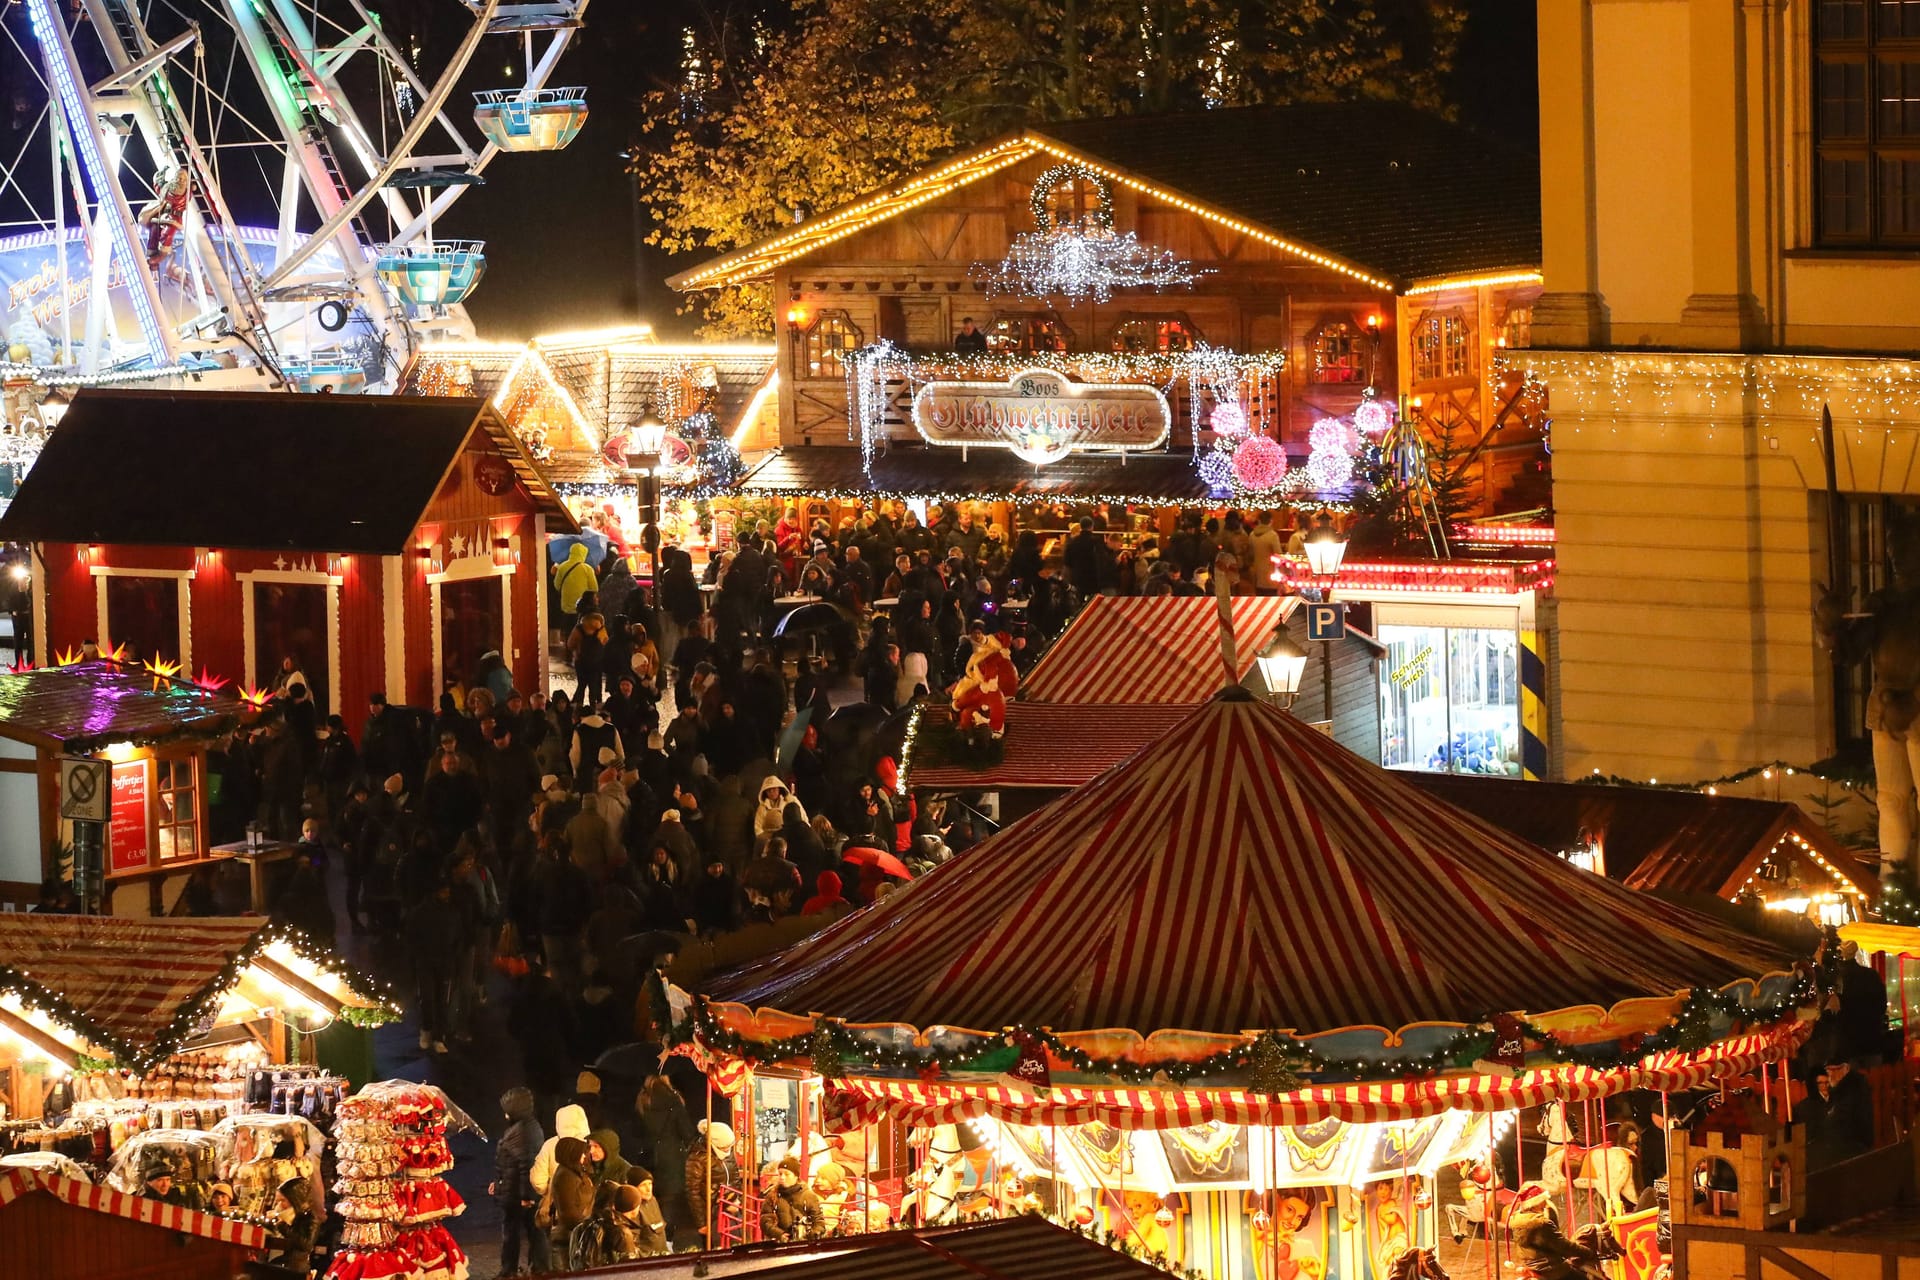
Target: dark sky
(560, 227)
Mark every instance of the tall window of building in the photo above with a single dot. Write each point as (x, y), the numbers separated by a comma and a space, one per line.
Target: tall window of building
(1516, 332)
(176, 785)
(1442, 346)
(1155, 333)
(1868, 523)
(1866, 119)
(1339, 353)
(826, 344)
(1075, 203)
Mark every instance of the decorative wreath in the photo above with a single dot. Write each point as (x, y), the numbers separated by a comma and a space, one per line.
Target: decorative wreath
(1058, 176)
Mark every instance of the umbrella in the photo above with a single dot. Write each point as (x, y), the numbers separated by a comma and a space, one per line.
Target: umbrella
(884, 862)
(818, 616)
(638, 1060)
(790, 740)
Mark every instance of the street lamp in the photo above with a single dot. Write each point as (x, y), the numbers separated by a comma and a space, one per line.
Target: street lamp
(644, 445)
(1326, 547)
(1281, 664)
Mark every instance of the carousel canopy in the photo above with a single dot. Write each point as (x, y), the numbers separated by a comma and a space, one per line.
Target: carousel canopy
(1244, 872)
(142, 989)
(1140, 649)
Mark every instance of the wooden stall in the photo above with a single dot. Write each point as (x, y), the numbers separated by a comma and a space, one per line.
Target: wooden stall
(54, 1228)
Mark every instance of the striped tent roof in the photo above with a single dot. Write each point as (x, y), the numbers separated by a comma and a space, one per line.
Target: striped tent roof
(1151, 649)
(135, 988)
(1241, 873)
(1046, 746)
(15, 1183)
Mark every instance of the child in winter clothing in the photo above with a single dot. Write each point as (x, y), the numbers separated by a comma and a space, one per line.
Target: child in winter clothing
(791, 1211)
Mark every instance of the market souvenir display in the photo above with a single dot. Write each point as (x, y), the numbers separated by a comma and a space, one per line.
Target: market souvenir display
(48, 1162)
(390, 1150)
(193, 1157)
(260, 1153)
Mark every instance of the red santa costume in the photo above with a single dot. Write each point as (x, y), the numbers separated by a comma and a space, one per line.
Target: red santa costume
(981, 695)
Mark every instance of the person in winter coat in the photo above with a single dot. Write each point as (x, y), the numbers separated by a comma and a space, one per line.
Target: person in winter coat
(593, 733)
(730, 834)
(672, 833)
(715, 899)
(573, 578)
(438, 935)
(568, 1122)
(791, 1211)
(713, 1181)
(299, 1225)
(771, 814)
(512, 1187)
(569, 1197)
(804, 849)
(667, 1133)
(826, 895)
(640, 1210)
(604, 1146)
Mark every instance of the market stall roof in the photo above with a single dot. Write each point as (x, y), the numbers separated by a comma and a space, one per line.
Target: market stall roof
(1674, 841)
(988, 475)
(1140, 649)
(17, 1183)
(140, 989)
(1379, 190)
(1047, 747)
(255, 470)
(85, 706)
(1245, 872)
(1022, 1248)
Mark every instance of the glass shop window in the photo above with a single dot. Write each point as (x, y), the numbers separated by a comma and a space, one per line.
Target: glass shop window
(1450, 699)
(826, 344)
(177, 812)
(1028, 333)
(1146, 334)
(1442, 346)
(1339, 353)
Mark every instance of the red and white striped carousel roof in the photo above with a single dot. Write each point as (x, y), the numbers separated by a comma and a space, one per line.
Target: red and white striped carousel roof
(1142, 649)
(1244, 872)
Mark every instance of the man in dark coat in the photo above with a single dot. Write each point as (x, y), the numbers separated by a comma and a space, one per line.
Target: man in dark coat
(508, 777)
(511, 1187)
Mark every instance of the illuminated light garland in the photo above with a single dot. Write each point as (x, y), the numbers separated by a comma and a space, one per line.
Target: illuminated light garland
(1373, 417)
(1228, 419)
(1283, 500)
(1474, 282)
(1710, 786)
(1330, 464)
(1081, 265)
(1690, 1030)
(1480, 577)
(1511, 535)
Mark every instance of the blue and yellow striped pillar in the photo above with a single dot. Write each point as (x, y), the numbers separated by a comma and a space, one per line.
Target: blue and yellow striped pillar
(1533, 707)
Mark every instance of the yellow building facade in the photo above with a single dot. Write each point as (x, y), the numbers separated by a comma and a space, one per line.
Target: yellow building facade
(1731, 241)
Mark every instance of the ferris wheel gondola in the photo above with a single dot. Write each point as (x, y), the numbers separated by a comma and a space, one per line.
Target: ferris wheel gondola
(249, 193)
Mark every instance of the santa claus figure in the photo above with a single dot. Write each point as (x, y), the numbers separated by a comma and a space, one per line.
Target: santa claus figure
(980, 698)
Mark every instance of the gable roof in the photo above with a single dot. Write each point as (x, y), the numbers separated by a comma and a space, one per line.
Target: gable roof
(1151, 649)
(84, 706)
(1675, 841)
(1375, 190)
(18, 1182)
(254, 470)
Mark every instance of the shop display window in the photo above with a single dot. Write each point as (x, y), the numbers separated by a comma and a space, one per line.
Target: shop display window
(1442, 347)
(827, 342)
(1339, 353)
(177, 789)
(1028, 333)
(1450, 699)
(1144, 334)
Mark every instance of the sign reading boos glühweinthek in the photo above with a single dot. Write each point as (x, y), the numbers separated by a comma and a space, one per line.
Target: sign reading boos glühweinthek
(1041, 416)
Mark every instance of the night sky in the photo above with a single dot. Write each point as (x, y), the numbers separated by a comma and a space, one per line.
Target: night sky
(560, 227)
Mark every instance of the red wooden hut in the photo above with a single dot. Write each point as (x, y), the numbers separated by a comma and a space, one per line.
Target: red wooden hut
(55, 1228)
(385, 543)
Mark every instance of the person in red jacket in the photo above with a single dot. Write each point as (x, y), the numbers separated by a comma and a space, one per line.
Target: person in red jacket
(826, 894)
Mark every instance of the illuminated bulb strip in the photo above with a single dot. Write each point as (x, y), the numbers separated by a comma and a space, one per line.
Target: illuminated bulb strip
(1181, 202)
(1475, 282)
(82, 129)
(768, 254)
(1519, 535)
(1481, 577)
(503, 396)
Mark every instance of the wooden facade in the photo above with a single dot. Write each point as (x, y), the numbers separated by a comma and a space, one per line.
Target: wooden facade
(48, 1239)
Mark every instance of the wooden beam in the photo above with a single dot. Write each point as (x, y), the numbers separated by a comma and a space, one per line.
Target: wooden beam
(39, 1039)
(319, 996)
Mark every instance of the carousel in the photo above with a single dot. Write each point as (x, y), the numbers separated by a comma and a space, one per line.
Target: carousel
(1250, 1006)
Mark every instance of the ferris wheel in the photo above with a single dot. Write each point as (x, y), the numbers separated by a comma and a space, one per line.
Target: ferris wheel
(245, 192)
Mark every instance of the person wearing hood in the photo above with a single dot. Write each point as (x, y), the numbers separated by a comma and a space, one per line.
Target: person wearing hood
(573, 578)
(298, 1225)
(594, 733)
(715, 899)
(667, 1132)
(569, 1196)
(512, 1187)
(568, 1122)
(826, 895)
(804, 849)
(673, 833)
(712, 1171)
(604, 1146)
(791, 1211)
(771, 814)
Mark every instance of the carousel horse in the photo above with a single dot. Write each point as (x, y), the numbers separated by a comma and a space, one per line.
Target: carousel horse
(1606, 1167)
(1479, 1187)
(935, 1185)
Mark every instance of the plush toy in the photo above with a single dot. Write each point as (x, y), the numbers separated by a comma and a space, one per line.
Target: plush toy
(980, 698)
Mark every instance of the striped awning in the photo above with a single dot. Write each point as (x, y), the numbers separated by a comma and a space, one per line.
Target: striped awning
(1244, 872)
(1046, 746)
(15, 1183)
(136, 988)
(1162, 649)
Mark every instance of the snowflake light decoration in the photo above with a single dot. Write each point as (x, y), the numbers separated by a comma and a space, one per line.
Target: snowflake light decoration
(1079, 259)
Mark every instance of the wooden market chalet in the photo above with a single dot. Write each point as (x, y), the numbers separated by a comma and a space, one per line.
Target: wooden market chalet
(1331, 248)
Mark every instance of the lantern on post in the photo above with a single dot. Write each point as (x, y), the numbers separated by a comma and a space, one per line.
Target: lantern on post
(1282, 664)
(645, 443)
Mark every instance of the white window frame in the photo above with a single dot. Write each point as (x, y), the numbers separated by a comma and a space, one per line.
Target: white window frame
(295, 577)
(183, 582)
(467, 569)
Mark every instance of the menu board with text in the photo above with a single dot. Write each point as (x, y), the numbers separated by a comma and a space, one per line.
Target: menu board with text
(127, 844)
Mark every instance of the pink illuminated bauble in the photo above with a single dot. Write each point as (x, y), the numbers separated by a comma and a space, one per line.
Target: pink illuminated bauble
(1229, 419)
(1259, 463)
